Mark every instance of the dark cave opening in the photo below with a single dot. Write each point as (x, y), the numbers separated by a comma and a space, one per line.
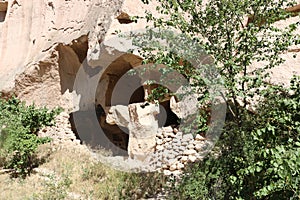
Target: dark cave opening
(3, 10)
(91, 129)
(166, 117)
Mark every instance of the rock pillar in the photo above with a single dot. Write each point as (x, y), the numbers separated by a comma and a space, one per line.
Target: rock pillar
(143, 128)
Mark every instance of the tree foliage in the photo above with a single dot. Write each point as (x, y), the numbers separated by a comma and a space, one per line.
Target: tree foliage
(258, 153)
(18, 140)
(259, 160)
(220, 27)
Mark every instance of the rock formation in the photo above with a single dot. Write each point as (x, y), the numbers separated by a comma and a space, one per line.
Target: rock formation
(143, 127)
(65, 53)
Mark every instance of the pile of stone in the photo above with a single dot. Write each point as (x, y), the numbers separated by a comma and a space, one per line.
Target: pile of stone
(163, 149)
(61, 132)
(174, 150)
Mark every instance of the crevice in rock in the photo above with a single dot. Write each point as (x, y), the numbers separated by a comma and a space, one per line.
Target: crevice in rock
(70, 59)
(3, 10)
(171, 118)
(166, 117)
(51, 5)
(15, 2)
(116, 86)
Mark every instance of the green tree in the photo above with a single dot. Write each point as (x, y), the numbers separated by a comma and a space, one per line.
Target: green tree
(220, 28)
(258, 153)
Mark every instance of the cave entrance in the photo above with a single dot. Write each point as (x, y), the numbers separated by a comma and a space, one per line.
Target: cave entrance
(115, 87)
(70, 60)
(118, 87)
(3, 10)
(166, 117)
(111, 93)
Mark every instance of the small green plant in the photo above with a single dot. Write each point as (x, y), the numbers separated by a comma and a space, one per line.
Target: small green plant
(95, 172)
(18, 140)
(55, 188)
(140, 185)
(158, 94)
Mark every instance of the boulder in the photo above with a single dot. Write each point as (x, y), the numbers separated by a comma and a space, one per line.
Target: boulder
(143, 127)
(118, 115)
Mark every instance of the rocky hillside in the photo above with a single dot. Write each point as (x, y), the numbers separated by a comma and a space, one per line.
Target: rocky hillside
(66, 53)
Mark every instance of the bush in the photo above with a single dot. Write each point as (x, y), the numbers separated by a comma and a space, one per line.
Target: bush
(258, 160)
(18, 140)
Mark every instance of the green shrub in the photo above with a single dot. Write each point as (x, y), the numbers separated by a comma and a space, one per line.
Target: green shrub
(259, 159)
(18, 140)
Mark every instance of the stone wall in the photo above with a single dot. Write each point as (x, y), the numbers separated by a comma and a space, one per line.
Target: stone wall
(174, 150)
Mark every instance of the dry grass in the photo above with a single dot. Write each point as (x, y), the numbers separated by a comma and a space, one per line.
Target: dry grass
(71, 172)
(18, 189)
(69, 169)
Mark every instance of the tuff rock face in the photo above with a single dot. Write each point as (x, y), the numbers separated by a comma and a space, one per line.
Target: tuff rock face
(65, 53)
(44, 43)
